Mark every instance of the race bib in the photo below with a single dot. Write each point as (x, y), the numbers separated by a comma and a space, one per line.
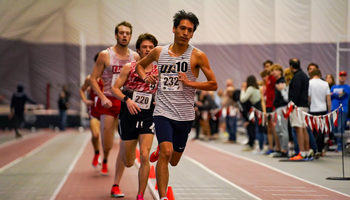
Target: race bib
(170, 82)
(143, 100)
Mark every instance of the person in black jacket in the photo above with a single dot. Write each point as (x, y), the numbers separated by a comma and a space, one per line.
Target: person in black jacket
(63, 106)
(298, 94)
(18, 101)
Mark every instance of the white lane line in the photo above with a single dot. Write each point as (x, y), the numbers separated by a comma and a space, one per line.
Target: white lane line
(267, 166)
(194, 186)
(17, 140)
(280, 186)
(182, 189)
(299, 195)
(71, 167)
(199, 194)
(290, 190)
(220, 177)
(29, 154)
(218, 198)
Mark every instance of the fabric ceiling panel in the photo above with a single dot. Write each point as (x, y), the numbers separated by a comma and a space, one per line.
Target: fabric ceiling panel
(328, 20)
(222, 22)
(292, 21)
(257, 21)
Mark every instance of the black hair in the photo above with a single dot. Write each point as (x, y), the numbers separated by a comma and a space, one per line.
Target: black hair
(268, 62)
(96, 56)
(182, 14)
(314, 64)
(251, 81)
(146, 36)
(20, 88)
(295, 63)
(123, 23)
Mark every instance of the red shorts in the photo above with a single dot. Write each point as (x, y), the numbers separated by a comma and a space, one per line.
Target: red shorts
(113, 111)
(94, 113)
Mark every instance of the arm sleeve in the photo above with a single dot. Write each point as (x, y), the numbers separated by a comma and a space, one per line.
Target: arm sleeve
(246, 94)
(294, 95)
(29, 99)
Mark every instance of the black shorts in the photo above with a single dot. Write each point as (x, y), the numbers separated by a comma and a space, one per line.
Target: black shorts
(176, 132)
(130, 129)
(269, 110)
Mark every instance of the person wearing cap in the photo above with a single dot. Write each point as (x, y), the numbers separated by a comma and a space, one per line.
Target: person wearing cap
(340, 95)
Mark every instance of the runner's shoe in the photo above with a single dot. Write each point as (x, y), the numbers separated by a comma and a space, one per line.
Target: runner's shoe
(298, 157)
(139, 197)
(155, 155)
(115, 192)
(95, 161)
(104, 170)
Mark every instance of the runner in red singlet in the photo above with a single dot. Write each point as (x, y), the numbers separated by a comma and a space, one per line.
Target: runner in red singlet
(108, 66)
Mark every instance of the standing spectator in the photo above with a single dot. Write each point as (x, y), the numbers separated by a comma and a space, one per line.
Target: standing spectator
(320, 104)
(62, 107)
(330, 80)
(340, 95)
(18, 101)
(298, 94)
(270, 96)
(311, 67)
(253, 95)
(230, 106)
(279, 103)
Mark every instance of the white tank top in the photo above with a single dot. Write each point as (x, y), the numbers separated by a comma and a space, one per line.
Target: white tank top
(173, 99)
(111, 72)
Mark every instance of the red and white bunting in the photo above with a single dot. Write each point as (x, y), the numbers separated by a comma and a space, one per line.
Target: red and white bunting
(335, 115)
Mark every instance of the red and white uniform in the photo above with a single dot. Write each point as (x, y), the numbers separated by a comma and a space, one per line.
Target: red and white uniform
(108, 77)
(93, 112)
(141, 93)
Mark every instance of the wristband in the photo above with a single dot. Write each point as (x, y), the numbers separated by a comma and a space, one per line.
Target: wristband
(144, 80)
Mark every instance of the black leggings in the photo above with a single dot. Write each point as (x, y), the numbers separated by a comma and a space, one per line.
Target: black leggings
(319, 136)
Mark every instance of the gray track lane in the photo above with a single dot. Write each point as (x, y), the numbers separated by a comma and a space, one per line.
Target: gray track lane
(37, 176)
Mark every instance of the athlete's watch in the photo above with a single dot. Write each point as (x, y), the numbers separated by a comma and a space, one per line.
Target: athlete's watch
(125, 98)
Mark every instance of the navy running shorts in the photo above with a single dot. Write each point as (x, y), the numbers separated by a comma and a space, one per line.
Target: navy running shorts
(168, 130)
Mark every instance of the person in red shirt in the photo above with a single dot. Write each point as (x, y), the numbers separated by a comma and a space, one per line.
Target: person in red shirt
(270, 96)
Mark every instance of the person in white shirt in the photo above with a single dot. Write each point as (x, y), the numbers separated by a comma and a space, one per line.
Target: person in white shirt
(320, 104)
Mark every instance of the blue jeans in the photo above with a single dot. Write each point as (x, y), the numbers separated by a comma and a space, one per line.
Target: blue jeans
(63, 120)
(231, 127)
(295, 140)
(259, 136)
(312, 140)
(340, 129)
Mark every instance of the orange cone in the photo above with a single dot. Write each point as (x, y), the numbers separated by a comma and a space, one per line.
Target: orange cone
(152, 173)
(156, 187)
(137, 155)
(170, 194)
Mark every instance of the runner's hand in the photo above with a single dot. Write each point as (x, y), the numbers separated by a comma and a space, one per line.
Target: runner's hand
(183, 78)
(89, 103)
(105, 102)
(132, 107)
(152, 79)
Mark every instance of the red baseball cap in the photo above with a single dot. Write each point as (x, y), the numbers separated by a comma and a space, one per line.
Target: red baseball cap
(342, 73)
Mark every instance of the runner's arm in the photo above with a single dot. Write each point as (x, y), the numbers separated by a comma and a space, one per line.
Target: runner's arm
(123, 76)
(203, 63)
(144, 62)
(82, 90)
(97, 72)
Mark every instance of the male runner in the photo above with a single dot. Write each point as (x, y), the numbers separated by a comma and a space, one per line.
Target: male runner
(136, 116)
(178, 65)
(94, 116)
(108, 66)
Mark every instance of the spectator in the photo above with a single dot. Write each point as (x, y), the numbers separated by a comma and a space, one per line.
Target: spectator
(252, 94)
(230, 105)
(340, 96)
(320, 104)
(279, 103)
(270, 96)
(298, 94)
(18, 101)
(311, 67)
(330, 80)
(63, 106)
